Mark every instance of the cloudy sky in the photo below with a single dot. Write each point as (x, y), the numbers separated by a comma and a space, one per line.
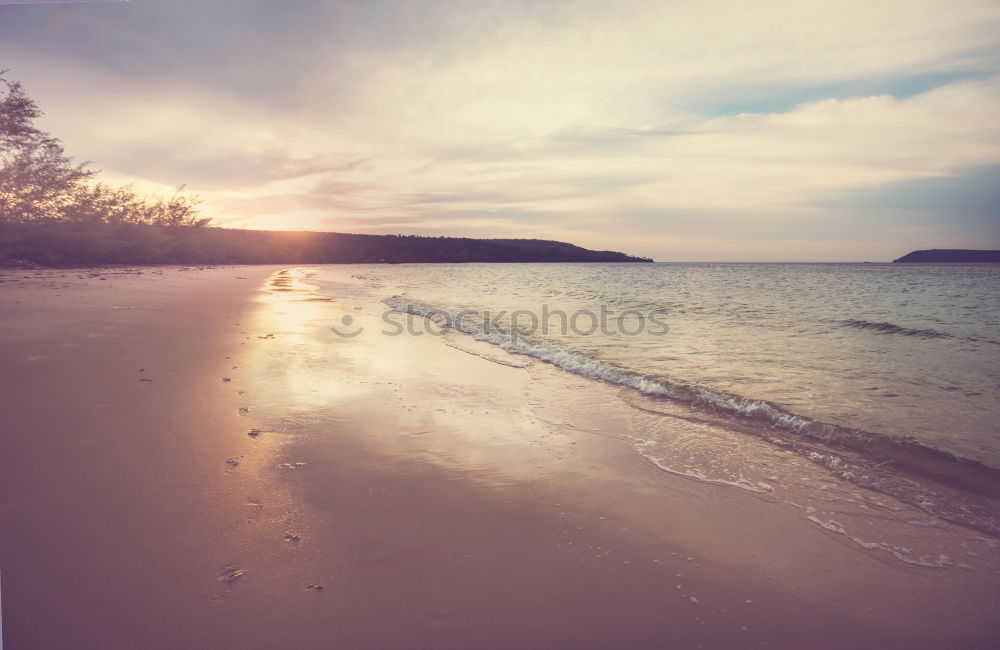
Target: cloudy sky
(800, 130)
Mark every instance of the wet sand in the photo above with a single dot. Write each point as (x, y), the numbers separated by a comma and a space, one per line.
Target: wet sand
(396, 493)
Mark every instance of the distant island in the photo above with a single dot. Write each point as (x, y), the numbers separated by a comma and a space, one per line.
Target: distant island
(82, 244)
(945, 255)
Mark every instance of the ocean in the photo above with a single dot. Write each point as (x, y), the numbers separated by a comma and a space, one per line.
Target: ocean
(885, 375)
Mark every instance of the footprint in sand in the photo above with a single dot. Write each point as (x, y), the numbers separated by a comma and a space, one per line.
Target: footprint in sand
(232, 462)
(291, 537)
(243, 410)
(226, 379)
(253, 433)
(312, 587)
(291, 465)
(230, 573)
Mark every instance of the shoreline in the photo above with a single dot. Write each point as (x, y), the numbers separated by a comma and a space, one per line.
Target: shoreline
(950, 486)
(439, 499)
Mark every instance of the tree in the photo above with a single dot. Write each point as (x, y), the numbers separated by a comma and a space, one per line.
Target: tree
(37, 178)
(100, 202)
(39, 182)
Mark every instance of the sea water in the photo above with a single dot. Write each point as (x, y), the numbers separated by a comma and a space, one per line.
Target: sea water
(892, 368)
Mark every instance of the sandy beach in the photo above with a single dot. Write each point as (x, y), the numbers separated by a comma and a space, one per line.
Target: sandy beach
(190, 458)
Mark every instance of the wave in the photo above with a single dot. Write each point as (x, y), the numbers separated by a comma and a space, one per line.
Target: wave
(873, 460)
(901, 553)
(891, 328)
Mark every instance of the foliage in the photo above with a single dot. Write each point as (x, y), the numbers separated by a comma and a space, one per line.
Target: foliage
(40, 182)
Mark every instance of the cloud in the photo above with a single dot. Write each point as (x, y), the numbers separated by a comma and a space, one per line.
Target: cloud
(641, 125)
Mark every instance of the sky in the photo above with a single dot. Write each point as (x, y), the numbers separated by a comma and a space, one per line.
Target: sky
(708, 130)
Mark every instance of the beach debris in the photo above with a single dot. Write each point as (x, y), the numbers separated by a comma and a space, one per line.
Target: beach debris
(313, 587)
(291, 537)
(267, 336)
(231, 573)
(244, 410)
(291, 465)
(144, 379)
(253, 433)
(226, 379)
(232, 462)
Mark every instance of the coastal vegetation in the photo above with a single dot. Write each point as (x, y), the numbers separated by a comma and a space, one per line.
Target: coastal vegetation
(40, 182)
(82, 244)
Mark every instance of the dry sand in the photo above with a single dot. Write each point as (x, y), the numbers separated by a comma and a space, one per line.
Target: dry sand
(396, 493)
